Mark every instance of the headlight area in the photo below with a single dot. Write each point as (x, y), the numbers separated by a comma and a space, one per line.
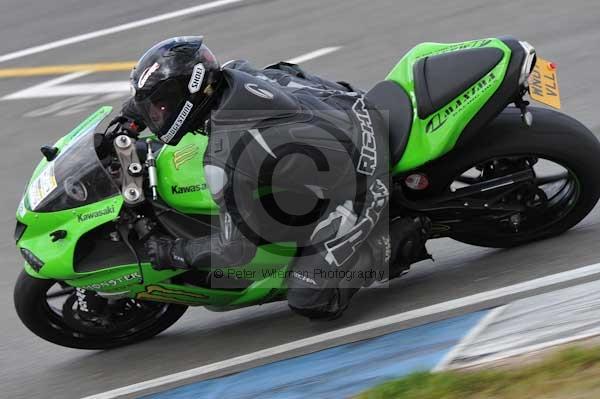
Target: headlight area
(33, 261)
(19, 230)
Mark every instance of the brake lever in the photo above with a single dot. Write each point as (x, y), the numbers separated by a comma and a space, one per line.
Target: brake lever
(120, 128)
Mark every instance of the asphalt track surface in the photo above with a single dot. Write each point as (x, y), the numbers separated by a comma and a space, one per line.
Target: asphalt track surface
(373, 36)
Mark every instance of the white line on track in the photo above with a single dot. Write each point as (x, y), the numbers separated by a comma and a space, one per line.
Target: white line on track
(69, 90)
(313, 54)
(61, 79)
(334, 336)
(527, 349)
(116, 29)
(54, 88)
(469, 338)
(46, 88)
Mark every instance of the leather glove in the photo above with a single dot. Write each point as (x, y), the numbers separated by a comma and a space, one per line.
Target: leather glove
(123, 125)
(165, 253)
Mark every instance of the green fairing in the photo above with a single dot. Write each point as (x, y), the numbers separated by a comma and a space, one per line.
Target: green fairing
(182, 186)
(58, 256)
(181, 181)
(267, 269)
(425, 145)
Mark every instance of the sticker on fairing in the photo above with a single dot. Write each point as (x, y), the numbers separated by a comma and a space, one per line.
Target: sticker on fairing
(42, 187)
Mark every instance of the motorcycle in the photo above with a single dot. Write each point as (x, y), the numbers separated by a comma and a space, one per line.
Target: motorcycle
(481, 171)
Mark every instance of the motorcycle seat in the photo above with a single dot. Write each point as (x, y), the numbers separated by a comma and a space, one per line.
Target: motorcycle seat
(395, 107)
(441, 78)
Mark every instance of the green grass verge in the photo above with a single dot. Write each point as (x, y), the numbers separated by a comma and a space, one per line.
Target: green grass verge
(568, 374)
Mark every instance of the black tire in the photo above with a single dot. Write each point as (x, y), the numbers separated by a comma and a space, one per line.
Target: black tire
(31, 306)
(553, 136)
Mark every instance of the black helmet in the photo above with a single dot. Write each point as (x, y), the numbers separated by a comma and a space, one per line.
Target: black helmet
(174, 84)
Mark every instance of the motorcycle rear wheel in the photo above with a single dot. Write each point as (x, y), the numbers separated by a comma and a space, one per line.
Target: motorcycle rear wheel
(554, 137)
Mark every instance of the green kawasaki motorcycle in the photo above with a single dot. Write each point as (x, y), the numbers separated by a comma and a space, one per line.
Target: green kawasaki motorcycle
(483, 171)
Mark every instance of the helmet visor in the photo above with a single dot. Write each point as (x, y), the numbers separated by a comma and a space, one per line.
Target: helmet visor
(161, 108)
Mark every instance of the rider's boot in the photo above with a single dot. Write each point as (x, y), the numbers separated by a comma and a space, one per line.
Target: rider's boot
(408, 236)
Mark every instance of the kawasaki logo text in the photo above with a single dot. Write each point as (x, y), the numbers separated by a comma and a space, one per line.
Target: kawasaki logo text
(92, 215)
(187, 189)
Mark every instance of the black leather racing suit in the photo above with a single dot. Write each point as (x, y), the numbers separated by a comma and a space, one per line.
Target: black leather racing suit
(292, 157)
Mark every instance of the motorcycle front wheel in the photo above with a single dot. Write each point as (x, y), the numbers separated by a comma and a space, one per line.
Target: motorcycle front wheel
(81, 319)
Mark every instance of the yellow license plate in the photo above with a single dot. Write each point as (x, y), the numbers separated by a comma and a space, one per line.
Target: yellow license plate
(543, 83)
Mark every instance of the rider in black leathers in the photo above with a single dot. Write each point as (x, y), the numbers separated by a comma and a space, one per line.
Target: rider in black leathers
(315, 144)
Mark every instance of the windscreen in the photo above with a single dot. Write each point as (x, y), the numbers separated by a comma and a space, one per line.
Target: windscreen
(75, 178)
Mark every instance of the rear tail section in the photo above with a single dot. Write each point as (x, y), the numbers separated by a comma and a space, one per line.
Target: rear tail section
(455, 90)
